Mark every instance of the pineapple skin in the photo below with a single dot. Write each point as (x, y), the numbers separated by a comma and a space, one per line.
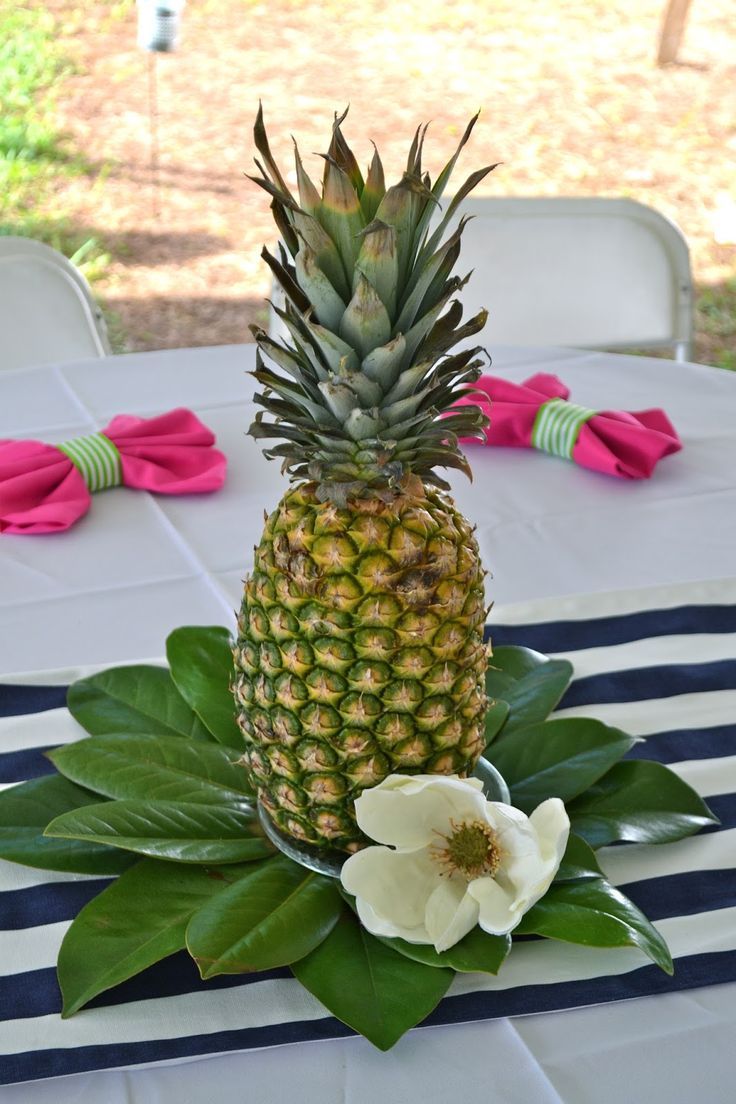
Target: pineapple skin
(359, 654)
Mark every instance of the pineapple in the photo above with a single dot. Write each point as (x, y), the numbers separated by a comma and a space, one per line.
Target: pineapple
(360, 640)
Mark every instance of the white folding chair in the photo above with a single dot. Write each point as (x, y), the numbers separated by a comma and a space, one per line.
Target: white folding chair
(589, 273)
(47, 311)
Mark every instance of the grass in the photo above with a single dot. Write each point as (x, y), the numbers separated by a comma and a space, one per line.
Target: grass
(598, 129)
(33, 154)
(715, 322)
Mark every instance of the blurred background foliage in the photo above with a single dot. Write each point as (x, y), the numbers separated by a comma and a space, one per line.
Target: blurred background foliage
(572, 101)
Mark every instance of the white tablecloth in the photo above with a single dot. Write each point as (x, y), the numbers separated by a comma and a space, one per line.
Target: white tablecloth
(134, 568)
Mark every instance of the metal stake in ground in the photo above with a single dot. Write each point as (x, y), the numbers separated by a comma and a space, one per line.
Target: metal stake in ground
(158, 32)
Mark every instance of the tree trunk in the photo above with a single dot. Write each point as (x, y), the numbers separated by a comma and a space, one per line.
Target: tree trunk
(673, 27)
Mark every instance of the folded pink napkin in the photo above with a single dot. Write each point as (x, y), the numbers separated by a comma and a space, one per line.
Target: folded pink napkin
(535, 414)
(46, 488)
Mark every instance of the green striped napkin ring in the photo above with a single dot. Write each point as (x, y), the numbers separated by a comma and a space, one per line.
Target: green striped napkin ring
(557, 426)
(96, 458)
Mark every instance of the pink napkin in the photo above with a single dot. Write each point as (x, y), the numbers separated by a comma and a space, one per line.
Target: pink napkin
(47, 488)
(616, 442)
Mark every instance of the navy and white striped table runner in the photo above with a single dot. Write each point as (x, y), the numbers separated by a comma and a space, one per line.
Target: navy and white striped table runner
(659, 664)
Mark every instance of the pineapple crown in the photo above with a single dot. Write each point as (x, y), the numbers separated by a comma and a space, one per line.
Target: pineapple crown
(359, 393)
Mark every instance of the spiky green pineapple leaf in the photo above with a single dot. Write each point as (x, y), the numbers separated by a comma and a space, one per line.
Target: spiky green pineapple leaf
(374, 188)
(359, 305)
(261, 141)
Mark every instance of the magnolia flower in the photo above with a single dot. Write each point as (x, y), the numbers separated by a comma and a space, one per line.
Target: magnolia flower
(454, 860)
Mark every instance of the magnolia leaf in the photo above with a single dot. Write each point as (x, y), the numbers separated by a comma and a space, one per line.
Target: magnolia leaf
(368, 985)
(155, 768)
(27, 809)
(557, 758)
(578, 862)
(595, 914)
(269, 918)
(640, 802)
(496, 715)
(477, 952)
(530, 683)
(182, 831)
(201, 664)
(133, 699)
(138, 920)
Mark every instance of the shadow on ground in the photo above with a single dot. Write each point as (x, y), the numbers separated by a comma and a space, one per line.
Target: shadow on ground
(150, 247)
(158, 322)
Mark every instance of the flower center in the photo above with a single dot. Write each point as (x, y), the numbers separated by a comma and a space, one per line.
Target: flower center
(470, 849)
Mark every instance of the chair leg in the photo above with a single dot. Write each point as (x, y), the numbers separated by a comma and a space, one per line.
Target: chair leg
(683, 351)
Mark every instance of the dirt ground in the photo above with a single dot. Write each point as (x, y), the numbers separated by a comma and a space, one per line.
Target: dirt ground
(572, 103)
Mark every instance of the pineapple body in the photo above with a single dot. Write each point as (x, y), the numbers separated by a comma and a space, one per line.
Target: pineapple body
(360, 654)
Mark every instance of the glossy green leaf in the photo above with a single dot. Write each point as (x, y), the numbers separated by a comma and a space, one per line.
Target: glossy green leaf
(595, 914)
(369, 986)
(26, 810)
(155, 768)
(578, 862)
(530, 683)
(201, 664)
(477, 952)
(133, 699)
(557, 758)
(176, 830)
(270, 918)
(496, 716)
(139, 919)
(641, 802)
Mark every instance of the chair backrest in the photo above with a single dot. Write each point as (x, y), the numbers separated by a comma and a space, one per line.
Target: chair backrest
(47, 311)
(589, 272)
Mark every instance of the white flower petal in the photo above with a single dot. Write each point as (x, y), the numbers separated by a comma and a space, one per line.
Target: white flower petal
(497, 914)
(552, 825)
(503, 817)
(395, 885)
(380, 925)
(402, 891)
(410, 813)
(532, 874)
(450, 913)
